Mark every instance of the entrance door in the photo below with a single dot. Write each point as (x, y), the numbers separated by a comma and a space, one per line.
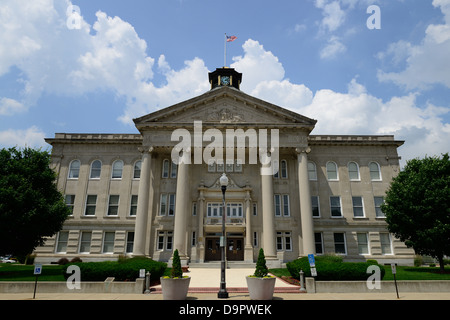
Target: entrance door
(212, 252)
(235, 250)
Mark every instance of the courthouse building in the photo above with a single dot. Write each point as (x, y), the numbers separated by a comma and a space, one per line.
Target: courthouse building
(128, 197)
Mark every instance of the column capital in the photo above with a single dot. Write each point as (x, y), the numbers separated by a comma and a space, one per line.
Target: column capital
(300, 150)
(145, 149)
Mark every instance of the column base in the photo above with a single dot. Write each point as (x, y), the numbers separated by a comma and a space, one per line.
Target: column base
(273, 262)
(248, 254)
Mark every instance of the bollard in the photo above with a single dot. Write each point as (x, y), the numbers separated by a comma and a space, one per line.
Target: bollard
(302, 281)
(147, 283)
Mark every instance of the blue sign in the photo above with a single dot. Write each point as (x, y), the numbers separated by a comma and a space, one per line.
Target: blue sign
(312, 261)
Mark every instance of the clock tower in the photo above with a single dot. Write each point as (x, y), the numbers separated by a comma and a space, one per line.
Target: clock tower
(225, 77)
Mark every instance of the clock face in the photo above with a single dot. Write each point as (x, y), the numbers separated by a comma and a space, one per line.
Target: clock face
(225, 80)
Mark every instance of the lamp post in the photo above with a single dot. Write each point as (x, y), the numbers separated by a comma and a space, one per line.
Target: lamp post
(223, 290)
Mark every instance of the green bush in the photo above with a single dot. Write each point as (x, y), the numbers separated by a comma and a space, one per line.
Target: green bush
(332, 268)
(125, 270)
(176, 272)
(261, 268)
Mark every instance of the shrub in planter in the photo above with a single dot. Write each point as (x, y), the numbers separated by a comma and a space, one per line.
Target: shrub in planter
(260, 284)
(176, 286)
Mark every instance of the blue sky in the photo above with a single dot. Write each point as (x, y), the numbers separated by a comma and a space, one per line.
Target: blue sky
(125, 59)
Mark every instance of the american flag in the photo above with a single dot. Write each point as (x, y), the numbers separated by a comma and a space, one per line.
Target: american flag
(231, 38)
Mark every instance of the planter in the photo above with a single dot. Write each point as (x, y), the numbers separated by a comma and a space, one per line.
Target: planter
(175, 289)
(261, 288)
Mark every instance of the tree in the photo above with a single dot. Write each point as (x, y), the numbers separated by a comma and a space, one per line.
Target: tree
(417, 206)
(261, 268)
(31, 207)
(177, 271)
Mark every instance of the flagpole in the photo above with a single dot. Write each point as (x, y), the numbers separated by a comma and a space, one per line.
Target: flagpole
(225, 52)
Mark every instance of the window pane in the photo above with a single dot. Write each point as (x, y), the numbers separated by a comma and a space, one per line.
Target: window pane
(286, 205)
(385, 243)
(70, 201)
(113, 208)
(363, 246)
(90, 205)
(133, 207)
(96, 168)
(85, 242)
(358, 210)
(165, 169)
(108, 242)
(318, 242)
(353, 171)
(339, 243)
(283, 169)
(332, 171)
(277, 205)
(315, 206)
(117, 169)
(171, 204)
(374, 171)
(74, 169)
(130, 242)
(137, 170)
(312, 173)
(335, 206)
(62, 241)
(378, 202)
(173, 170)
(163, 205)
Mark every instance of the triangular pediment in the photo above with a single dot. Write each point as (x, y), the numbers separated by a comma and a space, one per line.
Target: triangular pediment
(224, 106)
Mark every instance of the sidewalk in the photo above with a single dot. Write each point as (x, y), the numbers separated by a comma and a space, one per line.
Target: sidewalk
(205, 284)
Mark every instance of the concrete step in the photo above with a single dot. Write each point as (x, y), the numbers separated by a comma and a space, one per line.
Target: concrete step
(229, 264)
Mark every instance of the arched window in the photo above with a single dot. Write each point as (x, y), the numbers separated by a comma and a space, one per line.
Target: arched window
(353, 171)
(117, 169)
(312, 172)
(332, 171)
(96, 169)
(74, 169)
(137, 170)
(375, 173)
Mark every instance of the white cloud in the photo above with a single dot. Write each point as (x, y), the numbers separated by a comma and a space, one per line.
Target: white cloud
(10, 107)
(32, 137)
(334, 16)
(353, 112)
(108, 56)
(426, 63)
(333, 48)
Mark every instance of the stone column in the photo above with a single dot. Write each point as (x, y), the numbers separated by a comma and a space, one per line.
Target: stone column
(182, 208)
(268, 243)
(305, 202)
(201, 218)
(248, 251)
(140, 229)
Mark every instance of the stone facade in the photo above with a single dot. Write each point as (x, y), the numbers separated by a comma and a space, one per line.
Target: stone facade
(128, 197)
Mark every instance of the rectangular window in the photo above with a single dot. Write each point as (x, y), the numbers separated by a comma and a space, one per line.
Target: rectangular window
(161, 240)
(284, 241)
(255, 239)
(130, 242)
(171, 204)
(339, 243)
(385, 240)
(277, 203)
(163, 205)
(212, 166)
(70, 201)
(133, 205)
(173, 170)
(358, 208)
(378, 202)
(363, 243)
(315, 206)
(229, 166)
(113, 207)
(194, 209)
(91, 203)
(108, 242)
(194, 239)
(335, 204)
(63, 238)
(214, 210)
(165, 168)
(318, 242)
(169, 240)
(255, 209)
(85, 242)
(165, 240)
(286, 211)
(238, 165)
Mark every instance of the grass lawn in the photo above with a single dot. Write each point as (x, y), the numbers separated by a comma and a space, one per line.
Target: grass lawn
(20, 272)
(403, 273)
